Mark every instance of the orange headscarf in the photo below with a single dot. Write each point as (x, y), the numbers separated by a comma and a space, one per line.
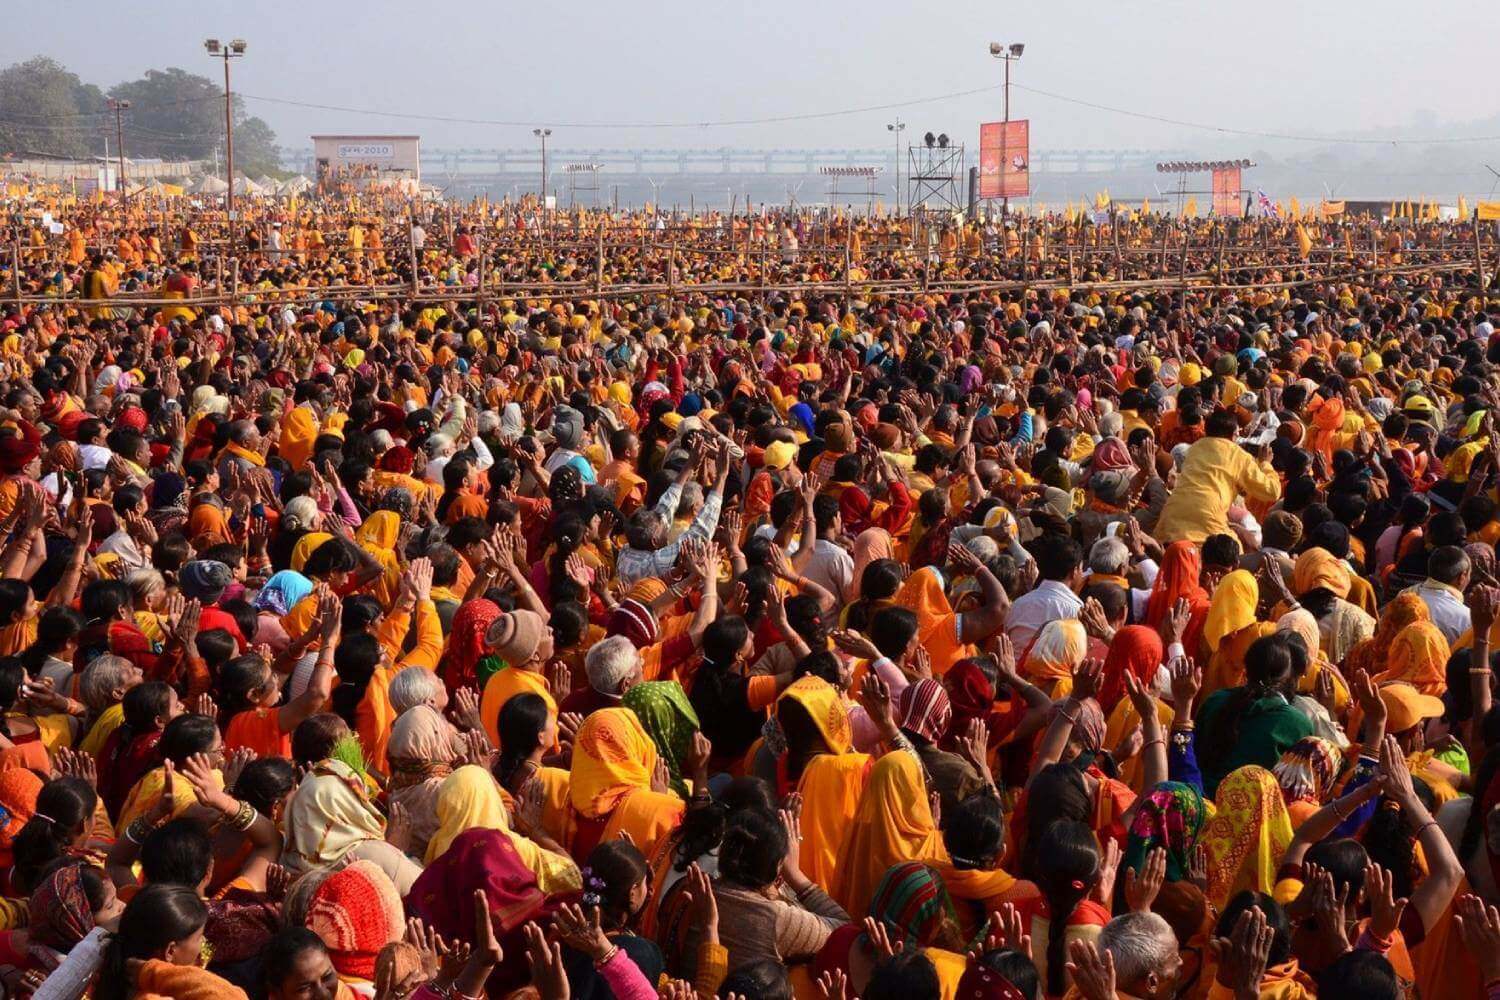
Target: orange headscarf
(1371, 655)
(612, 757)
(1327, 419)
(937, 624)
(1320, 569)
(1419, 656)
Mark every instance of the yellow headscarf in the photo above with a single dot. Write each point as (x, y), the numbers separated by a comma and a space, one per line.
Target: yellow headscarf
(821, 701)
(1056, 652)
(470, 799)
(1232, 607)
(1318, 569)
(306, 546)
(894, 824)
(1419, 656)
(612, 756)
(1248, 835)
(378, 536)
(329, 813)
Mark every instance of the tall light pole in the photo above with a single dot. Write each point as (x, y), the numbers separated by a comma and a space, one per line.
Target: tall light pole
(119, 107)
(542, 133)
(895, 128)
(232, 50)
(1009, 54)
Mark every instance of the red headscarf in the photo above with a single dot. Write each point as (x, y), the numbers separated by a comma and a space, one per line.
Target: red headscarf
(1180, 578)
(1136, 649)
(466, 642)
(399, 459)
(970, 694)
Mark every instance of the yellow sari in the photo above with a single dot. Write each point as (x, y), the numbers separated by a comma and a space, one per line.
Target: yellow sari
(1226, 630)
(470, 798)
(1248, 835)
(610, 780)
(831, 783)
(148, 791)
(894, 824)
(378, 536)
(299, 429)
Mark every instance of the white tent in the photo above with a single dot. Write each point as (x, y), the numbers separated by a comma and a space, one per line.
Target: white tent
(294, 185)
(209, 184)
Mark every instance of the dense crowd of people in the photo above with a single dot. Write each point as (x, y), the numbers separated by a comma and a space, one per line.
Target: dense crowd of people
(1085, 642)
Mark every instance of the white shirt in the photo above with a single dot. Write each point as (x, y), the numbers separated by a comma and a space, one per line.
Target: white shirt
(1446, 606)
(1050, 600)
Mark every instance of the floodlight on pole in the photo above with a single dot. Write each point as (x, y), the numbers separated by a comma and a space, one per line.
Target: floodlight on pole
(896, 128)
(1008, 54)
(542, 133)
(218, 50)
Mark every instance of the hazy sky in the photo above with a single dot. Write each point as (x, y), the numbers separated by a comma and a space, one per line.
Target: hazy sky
(1275, 65)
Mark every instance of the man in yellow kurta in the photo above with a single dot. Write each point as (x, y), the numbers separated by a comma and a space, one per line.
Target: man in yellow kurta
(1215, 473)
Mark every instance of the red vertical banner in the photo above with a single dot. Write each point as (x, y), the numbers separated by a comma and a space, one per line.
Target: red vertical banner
(1227, 191)
(1005, 159)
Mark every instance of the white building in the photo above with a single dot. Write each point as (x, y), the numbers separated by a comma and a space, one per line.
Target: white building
(367, 159)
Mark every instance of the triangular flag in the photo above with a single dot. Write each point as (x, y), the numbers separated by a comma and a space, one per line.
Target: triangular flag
(1145, 207)
(1190, 210)
(1304, 241)
(1296, 210)
(1463, 207)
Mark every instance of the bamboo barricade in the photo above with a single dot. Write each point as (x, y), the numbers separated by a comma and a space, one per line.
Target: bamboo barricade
(575, 291)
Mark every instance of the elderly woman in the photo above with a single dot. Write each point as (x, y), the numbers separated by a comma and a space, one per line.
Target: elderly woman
(421, 753)
(331, 818)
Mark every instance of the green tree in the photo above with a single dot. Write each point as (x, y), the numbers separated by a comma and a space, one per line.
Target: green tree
(46, 110)
(174, 114)
(255, 149)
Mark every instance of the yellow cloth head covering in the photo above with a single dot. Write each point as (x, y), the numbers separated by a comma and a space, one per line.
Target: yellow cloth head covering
(823, 705)
(1248, 835)
(612, 757)
(306, 546)
(1320, 569)
(1232, 607)
(470, 799)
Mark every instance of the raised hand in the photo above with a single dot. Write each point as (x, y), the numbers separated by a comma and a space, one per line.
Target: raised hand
(1140, 891)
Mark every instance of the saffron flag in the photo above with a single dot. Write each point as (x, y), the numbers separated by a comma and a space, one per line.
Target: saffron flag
(1190, 210)
(1463, 207)
(1304, 241)
(1146, 207)
(1488, 210)
(1295, 209)
(1101, 200)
